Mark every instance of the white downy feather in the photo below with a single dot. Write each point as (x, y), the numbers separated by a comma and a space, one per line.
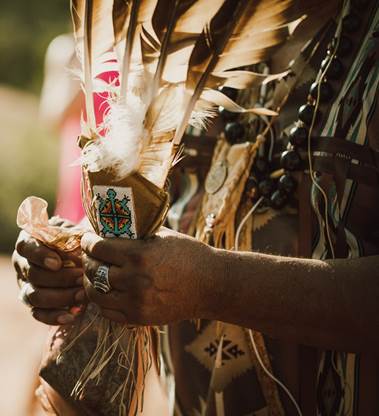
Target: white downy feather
(120, 148)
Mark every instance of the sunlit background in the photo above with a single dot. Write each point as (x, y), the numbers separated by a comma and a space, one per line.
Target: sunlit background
(28, 152)
(28, 166)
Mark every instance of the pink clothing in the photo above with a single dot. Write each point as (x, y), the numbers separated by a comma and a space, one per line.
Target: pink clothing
(69, 204)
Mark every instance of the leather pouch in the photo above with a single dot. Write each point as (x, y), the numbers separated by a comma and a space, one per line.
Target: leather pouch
(148, 202)
(224, 186)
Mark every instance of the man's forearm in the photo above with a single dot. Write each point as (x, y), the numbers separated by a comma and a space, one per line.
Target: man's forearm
(332, 304)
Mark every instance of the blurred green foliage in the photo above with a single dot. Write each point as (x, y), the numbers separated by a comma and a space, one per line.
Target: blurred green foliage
(28, 153)
(26, 28)
(28, 160)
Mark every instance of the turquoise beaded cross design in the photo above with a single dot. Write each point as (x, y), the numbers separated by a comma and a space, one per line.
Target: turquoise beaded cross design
(115, 215)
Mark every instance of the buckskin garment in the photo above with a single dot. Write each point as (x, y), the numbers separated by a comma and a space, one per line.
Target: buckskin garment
(345, 146)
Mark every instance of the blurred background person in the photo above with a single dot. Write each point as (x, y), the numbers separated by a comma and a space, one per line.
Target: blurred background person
(61, 108)
(29, 155)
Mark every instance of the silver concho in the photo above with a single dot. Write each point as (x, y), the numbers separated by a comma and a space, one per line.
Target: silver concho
(216, 177)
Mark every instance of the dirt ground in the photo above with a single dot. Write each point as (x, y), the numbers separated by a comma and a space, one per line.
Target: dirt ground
(21, 340)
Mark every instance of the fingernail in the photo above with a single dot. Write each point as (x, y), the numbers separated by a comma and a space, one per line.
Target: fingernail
(65, 319)
(80, 295)
(52, 263)
(79, 281)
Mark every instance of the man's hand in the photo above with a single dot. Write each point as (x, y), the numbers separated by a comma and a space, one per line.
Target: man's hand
(54, 289)
(154, 282)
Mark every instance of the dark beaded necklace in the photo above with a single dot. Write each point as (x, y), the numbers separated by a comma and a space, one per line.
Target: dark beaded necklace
(321, 92)
(261, 181)
(265, 179)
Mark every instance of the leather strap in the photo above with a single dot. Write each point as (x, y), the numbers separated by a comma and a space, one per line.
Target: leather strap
(346, 150)
(357, 173)
(345, 160)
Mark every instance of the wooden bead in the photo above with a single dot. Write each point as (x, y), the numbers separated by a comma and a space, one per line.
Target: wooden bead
(287, 184)
(298, 136)
(278, 199)
(290, 160)
(266, 186)
(305, 114)
(234, 132)
(324, 90)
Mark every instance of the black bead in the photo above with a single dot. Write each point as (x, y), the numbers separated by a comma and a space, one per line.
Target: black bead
(305, 114)
(278, 199)
(290, 160)
(234, 132)
(335, 68)
(227, 115)
(261, 166)
(345, 46)
(266, 186)
(232, 93)
(325, 89)
(299, 136)
(286, 183)
(351, 23)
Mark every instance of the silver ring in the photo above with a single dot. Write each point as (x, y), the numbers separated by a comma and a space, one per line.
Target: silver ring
(101, 279)
(24, 293)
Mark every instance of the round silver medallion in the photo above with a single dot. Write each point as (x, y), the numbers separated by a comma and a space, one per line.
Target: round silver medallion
(216, 177)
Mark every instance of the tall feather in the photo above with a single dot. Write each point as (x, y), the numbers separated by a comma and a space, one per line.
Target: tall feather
(120, 13)
(173, 56)
(141, 11)
(177, 33)
(87, 65)
(243, 32)
(94, 33)
(130, 39)
(206, 53)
